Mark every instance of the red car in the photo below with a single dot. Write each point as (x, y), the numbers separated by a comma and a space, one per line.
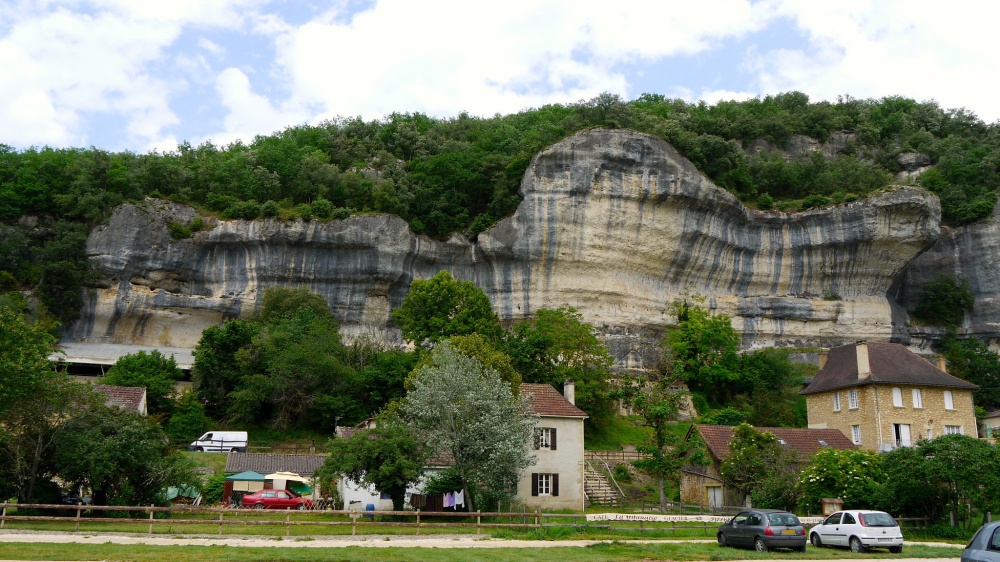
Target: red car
(276, 499)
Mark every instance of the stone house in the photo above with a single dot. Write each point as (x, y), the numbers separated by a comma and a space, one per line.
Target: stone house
(703, 485)
(128, 398)
(556, 480)
(883, 396)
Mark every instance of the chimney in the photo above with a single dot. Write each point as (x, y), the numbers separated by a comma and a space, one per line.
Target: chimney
(822, 359)
(569, 391)
(864, 369)
(942, 365)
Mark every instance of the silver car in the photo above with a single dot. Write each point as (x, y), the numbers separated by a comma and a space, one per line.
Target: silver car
(762, 530)
(985, 544)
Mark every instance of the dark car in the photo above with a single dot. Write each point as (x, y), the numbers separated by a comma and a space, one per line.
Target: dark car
(276, 499)
(985, 544)
(763, 529)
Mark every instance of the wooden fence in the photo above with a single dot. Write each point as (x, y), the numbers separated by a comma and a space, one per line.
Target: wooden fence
(224, 518)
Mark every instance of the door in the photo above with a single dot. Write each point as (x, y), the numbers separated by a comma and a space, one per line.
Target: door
(902, 434)
(829, 530)
(714, 497)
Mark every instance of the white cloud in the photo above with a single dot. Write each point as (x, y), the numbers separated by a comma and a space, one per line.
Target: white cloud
(921, 50)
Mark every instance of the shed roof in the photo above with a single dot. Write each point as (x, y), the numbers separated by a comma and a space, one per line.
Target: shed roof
(806, 442)
(128, 398)
(890, 363)
(547, 401)
(267, 463)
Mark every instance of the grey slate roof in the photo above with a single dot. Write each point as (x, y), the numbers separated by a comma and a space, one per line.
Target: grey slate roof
(266, 463)
(890, 363)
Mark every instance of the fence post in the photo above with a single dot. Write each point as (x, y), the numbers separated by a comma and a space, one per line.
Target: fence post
(220, 521)
(4, 520)
(150, 520)
(538, 516)
(479, 514)
(77, 519)
(354, 524)
(418, 521)
(288, 523)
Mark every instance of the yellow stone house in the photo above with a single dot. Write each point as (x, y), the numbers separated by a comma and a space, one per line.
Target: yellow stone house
(883, 396)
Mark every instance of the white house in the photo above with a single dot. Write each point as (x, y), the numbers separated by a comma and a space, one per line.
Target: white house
(556, 480)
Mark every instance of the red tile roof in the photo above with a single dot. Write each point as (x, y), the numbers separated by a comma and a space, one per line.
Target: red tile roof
(805, 441)
(128, 398)
(890, 363)
(547, 401)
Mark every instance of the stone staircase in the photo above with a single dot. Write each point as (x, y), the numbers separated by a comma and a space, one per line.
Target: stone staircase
(598, 489)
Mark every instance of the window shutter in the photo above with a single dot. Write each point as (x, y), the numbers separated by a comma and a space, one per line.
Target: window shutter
(555, 484)
(552, 444)
(534, 483)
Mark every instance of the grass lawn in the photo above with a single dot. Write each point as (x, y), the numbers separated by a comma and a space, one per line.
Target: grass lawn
(611, 551)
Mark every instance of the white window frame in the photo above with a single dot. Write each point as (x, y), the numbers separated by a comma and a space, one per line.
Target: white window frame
(949, 400)
(544, 437)
(918, 398)
(836, 401)
(544, 484)
(954, 429)
(897, 397)
(852, 399)
(856, 434)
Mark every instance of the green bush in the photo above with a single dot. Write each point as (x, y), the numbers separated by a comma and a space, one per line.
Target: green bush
(270, 209)
(322, 209)
(211, 492)
(815, 201)
(944, 302)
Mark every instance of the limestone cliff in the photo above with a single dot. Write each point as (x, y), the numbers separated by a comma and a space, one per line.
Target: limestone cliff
(614, 223)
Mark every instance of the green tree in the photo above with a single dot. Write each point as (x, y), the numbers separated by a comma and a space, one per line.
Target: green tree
(122, 456)
(755, 457)
(944, 302)
(974, 361)
(153, 371)
(702, 349)
(441, 307)
(909, 488)
(851, 475)
(389, 457)
(666, 452)
(556, 346)
(467, 410)
(282, 303)
(965, 468)
(216, 372)
(188, 420)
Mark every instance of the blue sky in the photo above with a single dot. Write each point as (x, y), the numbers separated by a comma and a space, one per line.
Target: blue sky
(145, 75)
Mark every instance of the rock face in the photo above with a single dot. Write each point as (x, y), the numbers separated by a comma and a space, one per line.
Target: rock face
(970, 252)
(614, 223)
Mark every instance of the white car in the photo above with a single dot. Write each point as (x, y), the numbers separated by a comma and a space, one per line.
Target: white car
(858, 529)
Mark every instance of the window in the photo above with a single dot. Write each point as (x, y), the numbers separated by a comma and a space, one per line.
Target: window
(545, 438)
(953, 430)
(543, 484)
(930, 433)
(852, 399)
(856, 434)
(918, 398)
(949, 400)
(833, 519)
(848, 519)
(836, 401)
(754, 519)
(897, 397)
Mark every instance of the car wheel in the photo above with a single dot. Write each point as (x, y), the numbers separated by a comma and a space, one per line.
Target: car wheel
(896, 549)
(300, 507)
(759, 545)
(814, 539)
(856, 545)
(258, 506)
(722, 540)
(199, 449)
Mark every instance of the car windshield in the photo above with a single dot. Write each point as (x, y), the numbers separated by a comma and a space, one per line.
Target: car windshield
(877, 520)
(786, 519)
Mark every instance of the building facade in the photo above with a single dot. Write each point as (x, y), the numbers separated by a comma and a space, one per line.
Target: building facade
(703, 485)
(883, 396)
(556, 480)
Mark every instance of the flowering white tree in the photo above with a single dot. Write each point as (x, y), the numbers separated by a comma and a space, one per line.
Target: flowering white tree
(468, 411)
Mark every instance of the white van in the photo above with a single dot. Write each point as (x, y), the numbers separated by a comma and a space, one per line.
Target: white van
(221, 442)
